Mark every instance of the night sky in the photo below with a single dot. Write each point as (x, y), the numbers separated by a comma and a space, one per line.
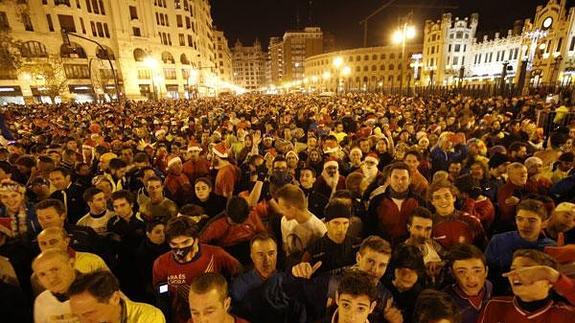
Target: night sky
(248, 19)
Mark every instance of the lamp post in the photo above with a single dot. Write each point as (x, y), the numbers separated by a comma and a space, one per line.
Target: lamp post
(152, 63)
(346, 72)
(326, 76)
(337, 63)
(400, 36)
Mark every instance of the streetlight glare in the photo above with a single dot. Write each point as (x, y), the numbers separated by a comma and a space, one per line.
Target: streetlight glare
(338, 61)
(151, 62)
(397, 37)
(410, 32)
(326, 75)
(346, 70)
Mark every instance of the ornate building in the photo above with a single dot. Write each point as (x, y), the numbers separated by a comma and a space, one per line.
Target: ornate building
(249, 65)
(154, 47)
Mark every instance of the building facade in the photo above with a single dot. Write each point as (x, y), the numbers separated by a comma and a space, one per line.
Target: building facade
(249, 65)
(534, 52)
(154, 46)
(287, 54)
(223, 57)
(371, 68)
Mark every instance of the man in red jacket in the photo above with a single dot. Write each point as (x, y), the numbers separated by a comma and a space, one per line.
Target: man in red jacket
(390, 210)
(509, 195)
(532, 302)
(174, 271)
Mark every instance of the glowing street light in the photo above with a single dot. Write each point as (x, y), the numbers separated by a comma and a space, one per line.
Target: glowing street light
(346, 71)
(400, 36)
(152, 63)
(326, 75)
(337, 61)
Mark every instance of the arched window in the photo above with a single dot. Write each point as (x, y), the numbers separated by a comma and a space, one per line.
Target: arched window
(72, 51)
(167, 58)
(184, 59)
(139, 55)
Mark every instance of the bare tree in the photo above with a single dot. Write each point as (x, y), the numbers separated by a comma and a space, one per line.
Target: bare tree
(50, 74)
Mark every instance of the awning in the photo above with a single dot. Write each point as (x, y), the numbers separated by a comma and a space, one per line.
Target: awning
(81, 89)
(10, 91)
(171, 88)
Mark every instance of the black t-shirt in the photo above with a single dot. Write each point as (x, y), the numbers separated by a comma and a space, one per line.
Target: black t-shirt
(333, 256)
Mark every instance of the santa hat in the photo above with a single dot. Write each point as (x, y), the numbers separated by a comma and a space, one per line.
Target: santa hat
(358, 149)
(6, 226)
(331, 148)
(372, 157)
(291, 152)
(330, 162)
(173, 160)
(221, 150)
(95, 128)
(194, 147)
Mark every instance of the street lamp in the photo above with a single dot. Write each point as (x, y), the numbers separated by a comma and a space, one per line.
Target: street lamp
(400, 36)
(152, 63)
(326, 76)
(346, 72)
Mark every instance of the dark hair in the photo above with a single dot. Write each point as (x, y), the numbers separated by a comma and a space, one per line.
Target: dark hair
(89, 194)
(537, 256)
(277, 181)
(463, 251)
(101, 284)
(516, 145)
(407, 256)
(64, 171)
(342, 194)
(6, 167)
(414, 153)
(51, 203)
(313, 173)
(123, 194)
(534, 206)
(45, 159)
(237, 209)
(181, 226)
(152, 224)
(192, 210)
(204, 180)
(376, 244)
(116, 163)
(437, 185)
(419, 212)
(433, 305)
(398, 166)
(141, 157)
(357, 283)
(27, 161)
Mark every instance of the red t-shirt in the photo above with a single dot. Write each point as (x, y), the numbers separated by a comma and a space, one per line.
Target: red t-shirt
(506, 310)
(226, 180)
(179, 276)
(458, 228)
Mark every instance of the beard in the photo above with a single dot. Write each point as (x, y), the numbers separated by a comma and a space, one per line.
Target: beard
(369, 172)
(331, 180)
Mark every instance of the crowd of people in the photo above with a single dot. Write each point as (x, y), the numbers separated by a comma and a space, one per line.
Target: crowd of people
(289, 208)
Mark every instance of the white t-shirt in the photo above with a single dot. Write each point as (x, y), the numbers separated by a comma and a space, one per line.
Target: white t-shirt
(48, 309)
(100, 225)
(297, 237)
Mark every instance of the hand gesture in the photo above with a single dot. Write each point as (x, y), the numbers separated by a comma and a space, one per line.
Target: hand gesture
(391, 313)
(305, 269)
(529, 275)
(513, 200)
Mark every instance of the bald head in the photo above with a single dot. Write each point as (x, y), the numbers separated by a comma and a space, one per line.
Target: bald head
(53, 237)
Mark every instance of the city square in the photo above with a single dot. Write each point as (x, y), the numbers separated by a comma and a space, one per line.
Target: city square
(194, 161)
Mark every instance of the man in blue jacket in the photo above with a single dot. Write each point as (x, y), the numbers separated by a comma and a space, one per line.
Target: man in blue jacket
(530, 219)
